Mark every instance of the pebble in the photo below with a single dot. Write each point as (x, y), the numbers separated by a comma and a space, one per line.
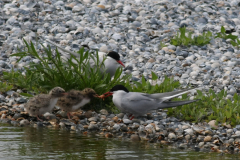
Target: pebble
(212, 123)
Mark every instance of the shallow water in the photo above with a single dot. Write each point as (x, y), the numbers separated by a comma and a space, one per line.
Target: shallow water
(42, 143)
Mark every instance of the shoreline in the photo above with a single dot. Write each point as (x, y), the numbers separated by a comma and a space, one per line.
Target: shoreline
(168, 131)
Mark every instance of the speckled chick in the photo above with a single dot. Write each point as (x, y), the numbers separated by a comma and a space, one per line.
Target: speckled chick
(75, 99)
(43, 103)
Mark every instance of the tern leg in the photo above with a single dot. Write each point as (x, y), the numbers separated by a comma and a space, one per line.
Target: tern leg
(39, 118)
(132, 118)
(69, 115)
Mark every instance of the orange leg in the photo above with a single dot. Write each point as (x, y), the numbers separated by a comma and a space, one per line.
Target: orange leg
(39, 118)
(69, 115)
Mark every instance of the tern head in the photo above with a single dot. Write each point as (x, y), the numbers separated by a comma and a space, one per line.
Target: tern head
(89, 92)
(114, 89)
(118, 88)
(115, 56)
(57, 92)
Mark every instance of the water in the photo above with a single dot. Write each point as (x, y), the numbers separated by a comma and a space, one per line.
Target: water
(32, 143)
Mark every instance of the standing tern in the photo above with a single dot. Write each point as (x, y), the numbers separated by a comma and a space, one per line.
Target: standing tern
(43, 103)
(111, 63)
(138, 103)
(75, 99)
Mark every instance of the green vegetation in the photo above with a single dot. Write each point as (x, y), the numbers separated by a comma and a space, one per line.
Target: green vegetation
(4, 87)
(211, 106)
(182, 40)
(145, 86)
(224, 35)
(162, 45)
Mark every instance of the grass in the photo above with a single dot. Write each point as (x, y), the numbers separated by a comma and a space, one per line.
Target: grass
(4, 87)
(182, 40)
(211, 106)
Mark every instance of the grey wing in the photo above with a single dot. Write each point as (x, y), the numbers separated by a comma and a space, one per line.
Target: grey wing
(168, 95)
(63, 49)
(137, 103)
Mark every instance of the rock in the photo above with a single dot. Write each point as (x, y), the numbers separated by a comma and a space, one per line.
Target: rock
(88, 114)
(115, 119)
(182, 146)
(189, 131)
(93, 127)
(104, 111)
(127, 121)
(93, 119)
(109, 135)
(207, 139)
(172, 136)
(24, 122)
(201, 144)
(135, 137)
(212, 123)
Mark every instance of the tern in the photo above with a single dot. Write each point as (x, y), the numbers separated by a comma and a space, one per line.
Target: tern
(137, 103)
(111, 63)
(43, 103)
(75, 99)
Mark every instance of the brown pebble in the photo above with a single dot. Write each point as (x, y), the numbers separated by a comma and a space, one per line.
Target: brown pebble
(101, 6)
(164, 142)
(109, 135)
(88, 114)
(153, 124)
(19, 119)
(151, 60)
(207, 139)
(76, 118)
(85, 126)
(135, 137)
(171, 51)
(115, 119)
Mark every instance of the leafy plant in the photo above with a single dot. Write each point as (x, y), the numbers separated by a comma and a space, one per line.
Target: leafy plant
(236, 43)
(52, 71)
(162, 45)
(182, 40)
(4, 87)
(224, 35)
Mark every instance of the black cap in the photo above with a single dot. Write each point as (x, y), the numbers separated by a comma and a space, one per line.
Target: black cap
(114, 55)
(119, 87)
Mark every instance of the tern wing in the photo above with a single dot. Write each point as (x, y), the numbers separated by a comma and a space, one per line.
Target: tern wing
(168, 95)
(137, 103)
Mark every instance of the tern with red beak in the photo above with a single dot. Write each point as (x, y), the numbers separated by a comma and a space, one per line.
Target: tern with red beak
(138, 103)
(111, 63)
(43, 103)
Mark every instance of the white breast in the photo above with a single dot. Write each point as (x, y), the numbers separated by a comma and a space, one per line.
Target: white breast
(118, 98)
(82, 103)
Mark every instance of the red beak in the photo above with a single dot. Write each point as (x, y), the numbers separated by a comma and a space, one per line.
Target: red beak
(120, 62)
(105, 95)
